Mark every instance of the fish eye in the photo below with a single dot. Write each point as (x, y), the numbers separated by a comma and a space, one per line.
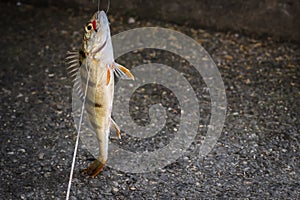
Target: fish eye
(88, 27)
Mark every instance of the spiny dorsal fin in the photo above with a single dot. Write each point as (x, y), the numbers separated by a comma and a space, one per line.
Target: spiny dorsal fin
(74, 60)
(78, 87)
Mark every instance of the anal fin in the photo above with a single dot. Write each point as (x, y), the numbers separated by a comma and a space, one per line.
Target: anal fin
(116, 127)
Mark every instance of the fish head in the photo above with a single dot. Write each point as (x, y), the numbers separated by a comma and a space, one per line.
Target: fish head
(96, 33)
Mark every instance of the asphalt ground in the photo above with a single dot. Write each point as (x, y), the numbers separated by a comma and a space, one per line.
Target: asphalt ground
(256, 156)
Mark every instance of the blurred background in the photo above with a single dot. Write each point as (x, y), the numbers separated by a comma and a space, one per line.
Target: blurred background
(255, 45)
(278, 18)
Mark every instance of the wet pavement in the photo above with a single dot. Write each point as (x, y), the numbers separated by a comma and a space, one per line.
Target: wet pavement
(256, 156)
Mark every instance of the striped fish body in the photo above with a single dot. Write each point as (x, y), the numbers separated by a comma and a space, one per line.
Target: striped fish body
(96, 71)
(98, 103)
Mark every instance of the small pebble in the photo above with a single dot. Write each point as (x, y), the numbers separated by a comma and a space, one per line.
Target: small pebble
(22, 150)
(41, 156)
(131, 20)
(133, 188)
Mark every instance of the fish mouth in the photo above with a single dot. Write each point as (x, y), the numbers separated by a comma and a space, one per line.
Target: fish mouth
(102, 21)
(100, 15)
(101, 18)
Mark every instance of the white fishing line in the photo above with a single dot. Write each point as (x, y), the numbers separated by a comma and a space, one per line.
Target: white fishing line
(108, 4)
(78, 134)
(98, 5)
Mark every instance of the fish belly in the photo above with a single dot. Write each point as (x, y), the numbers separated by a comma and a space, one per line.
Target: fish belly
(98, 104)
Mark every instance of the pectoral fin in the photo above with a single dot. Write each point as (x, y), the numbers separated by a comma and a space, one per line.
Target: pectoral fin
(122, 72)
(107, 76)
(116, 127)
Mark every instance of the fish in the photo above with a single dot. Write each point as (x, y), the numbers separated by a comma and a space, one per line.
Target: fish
(92, 68)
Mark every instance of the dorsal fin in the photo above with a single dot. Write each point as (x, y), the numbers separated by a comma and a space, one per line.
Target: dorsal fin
(74, 60)
(78, 87)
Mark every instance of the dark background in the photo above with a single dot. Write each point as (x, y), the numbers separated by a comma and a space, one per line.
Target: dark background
(278, 18)
(255, 47)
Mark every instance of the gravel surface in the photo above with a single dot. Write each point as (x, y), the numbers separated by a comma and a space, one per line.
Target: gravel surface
(257, 155)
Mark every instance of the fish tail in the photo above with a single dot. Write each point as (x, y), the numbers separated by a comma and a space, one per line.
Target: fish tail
(94, 168)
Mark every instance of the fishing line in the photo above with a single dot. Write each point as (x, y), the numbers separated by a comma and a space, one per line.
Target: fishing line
(78, 134)
(108, 4)
(98, 5)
